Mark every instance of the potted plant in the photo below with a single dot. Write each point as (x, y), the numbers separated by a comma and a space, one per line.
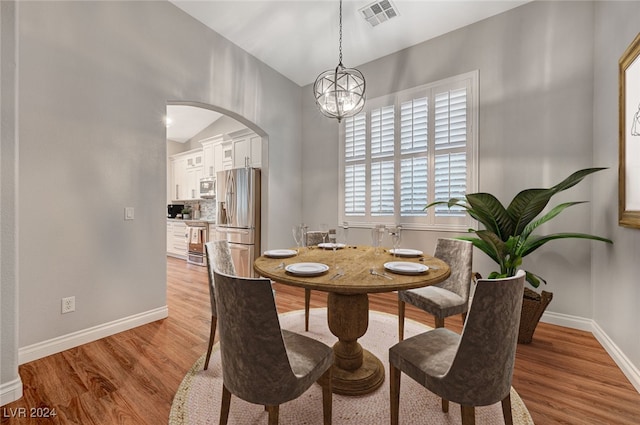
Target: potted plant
(186, 213)
(508, 236)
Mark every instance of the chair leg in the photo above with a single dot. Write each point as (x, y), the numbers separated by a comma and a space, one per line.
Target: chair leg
(394, 386)
(214, 322)
(307, 301)
(274, 412)
(401, 308)
(439, 322)
(445, 405)
(468, 415)
(327, 396)
(506, 410)
(226, 403)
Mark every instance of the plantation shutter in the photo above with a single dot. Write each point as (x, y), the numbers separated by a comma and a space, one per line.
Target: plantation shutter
(408, 149)
(450, 174)
(413, 150)
(382, 161)
(355, 183)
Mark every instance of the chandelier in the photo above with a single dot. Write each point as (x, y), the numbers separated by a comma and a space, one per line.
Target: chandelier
(339, 92)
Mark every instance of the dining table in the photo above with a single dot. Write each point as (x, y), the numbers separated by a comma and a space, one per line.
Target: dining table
(348, 274)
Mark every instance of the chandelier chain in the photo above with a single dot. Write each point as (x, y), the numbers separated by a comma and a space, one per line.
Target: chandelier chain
(340, 41)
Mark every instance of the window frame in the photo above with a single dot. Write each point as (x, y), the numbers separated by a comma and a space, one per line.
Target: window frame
(430, 221)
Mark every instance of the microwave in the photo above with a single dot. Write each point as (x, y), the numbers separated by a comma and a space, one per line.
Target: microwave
(208, 187)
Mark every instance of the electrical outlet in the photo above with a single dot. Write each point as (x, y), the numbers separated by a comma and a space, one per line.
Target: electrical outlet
(68, 304)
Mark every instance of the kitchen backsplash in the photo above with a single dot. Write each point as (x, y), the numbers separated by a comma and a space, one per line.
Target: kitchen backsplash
(207, 208)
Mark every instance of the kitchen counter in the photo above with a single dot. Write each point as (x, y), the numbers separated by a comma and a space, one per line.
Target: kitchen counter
(192, 221)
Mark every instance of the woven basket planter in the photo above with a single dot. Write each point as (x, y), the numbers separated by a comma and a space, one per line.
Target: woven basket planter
(533, 305)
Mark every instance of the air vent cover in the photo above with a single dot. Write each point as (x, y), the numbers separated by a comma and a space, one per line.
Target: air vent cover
(379, 12)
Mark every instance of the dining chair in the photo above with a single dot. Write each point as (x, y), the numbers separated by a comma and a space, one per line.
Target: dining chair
(313, 238)
(446, 298)
(218, 258)
(472, 369)
(262, 363)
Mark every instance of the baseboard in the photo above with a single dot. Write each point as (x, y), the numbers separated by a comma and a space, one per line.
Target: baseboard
(623, 362)
(75, 339)
(568, 321)
(10, 391)
(626, 366)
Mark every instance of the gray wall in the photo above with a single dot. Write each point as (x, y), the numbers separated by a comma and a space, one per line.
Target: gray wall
(10, 384)
(614, 270)
(95, 78)
(536, 95)
(548, 106)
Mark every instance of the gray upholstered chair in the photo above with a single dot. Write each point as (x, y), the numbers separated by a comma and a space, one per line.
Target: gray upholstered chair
(261, 363)
(446, 298)
(472, 369)
(313, 238)
(218, 258)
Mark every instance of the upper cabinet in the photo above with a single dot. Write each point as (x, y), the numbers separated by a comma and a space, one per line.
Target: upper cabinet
(186, 169)
(246, 149)
(222, 152)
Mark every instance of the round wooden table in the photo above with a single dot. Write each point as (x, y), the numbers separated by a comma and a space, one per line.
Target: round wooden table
(356, 371)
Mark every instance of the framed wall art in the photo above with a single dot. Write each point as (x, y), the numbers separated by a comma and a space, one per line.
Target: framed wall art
(629, 135)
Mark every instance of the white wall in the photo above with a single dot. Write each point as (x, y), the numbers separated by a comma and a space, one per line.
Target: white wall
(10, 383)
(614, 270)
(548, 106)
(535, 65)
(94, 80)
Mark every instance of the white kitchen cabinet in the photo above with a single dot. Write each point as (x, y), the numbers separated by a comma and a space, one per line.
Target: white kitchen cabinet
(178, 178)
(247, 149)
(213, 154)
(177, 239)
(186, 171)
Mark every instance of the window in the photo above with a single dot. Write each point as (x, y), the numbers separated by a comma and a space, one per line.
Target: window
(408, 149)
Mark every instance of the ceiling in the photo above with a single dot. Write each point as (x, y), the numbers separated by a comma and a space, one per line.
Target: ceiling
(299, 38)
(183, 122)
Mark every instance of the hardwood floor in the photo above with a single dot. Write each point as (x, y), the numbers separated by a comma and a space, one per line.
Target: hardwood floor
(564, 376)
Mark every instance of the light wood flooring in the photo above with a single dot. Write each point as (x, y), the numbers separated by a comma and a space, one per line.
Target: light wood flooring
(564, 376)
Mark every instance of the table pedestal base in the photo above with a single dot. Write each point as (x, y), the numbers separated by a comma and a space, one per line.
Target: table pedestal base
(355, 371)
(367, 378)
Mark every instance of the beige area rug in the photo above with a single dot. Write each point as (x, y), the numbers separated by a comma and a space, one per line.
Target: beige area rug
(198, 398)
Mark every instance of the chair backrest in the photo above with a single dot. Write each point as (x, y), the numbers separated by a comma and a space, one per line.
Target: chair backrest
(255, 365)
(313, 238)
(459, 255)
(482, 369)
(218, 258)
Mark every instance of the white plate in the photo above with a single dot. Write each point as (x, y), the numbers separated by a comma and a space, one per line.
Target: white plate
(405, 267)
(280, 253)
(330, 245)
(306, 269)
(400, 252)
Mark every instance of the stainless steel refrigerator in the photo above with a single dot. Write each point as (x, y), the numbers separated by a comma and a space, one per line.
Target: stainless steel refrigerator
(238, 216)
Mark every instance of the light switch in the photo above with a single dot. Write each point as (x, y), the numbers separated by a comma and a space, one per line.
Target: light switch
(128, 213)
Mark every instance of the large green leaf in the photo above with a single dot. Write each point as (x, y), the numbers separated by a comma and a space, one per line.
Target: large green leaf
(526, 206)
(548, 216)
(534, 243)
(575, 178)
(490, 212)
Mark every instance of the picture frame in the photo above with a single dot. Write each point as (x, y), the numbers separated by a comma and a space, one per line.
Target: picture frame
(629, 137)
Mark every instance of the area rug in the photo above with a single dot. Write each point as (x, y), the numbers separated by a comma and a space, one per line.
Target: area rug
(197, 400)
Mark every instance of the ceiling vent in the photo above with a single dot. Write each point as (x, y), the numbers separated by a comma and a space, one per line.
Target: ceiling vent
(379, 12)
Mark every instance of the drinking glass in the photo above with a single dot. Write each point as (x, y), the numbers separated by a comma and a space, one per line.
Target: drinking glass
(341, 238)
(396, 236)
(377, 234)
(298, 235)
(324, 229)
